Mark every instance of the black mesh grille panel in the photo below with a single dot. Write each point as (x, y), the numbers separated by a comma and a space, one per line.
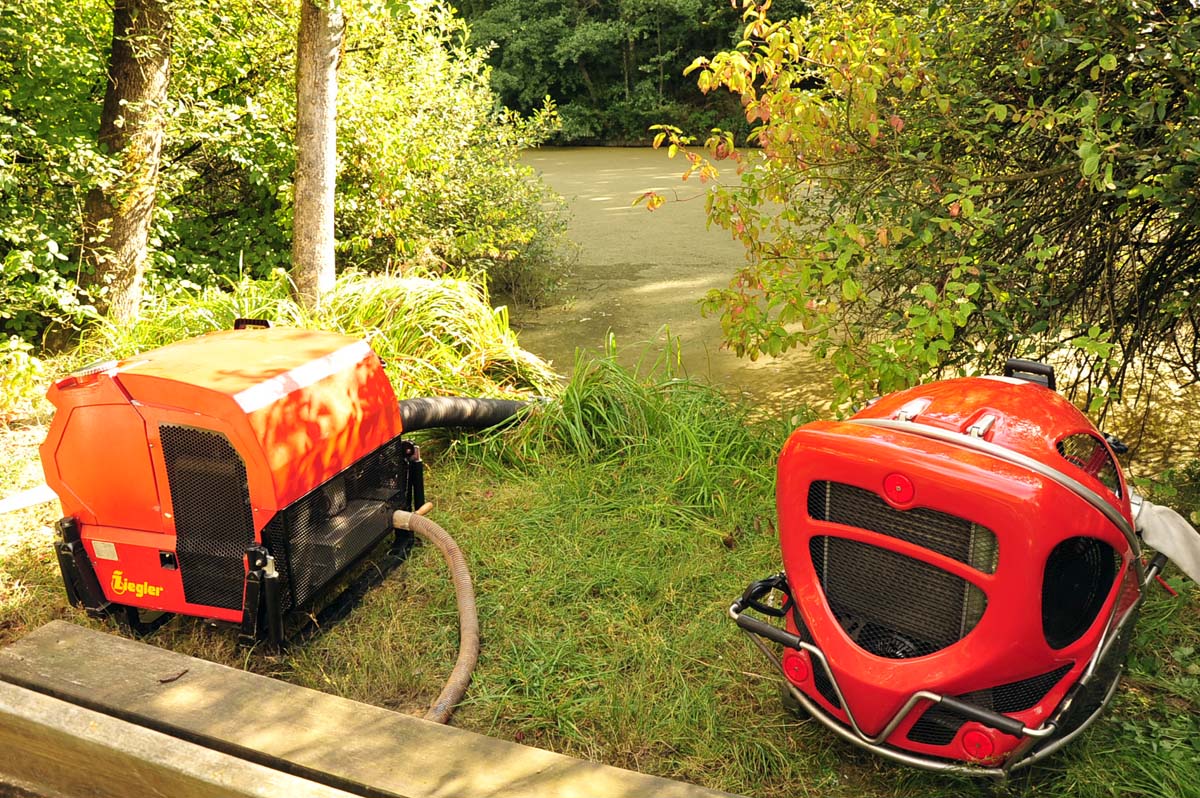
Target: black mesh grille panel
(1079, 575)
(318, 535)
(892, 605)
(1090, 454)
(939, 726)
(1017, 696)
(946, 534)
(213, 522)
(275, 538)
(936, 726)
(290, 540)
(1108, 670)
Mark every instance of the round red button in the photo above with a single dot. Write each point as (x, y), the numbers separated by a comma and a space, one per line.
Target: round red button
(978, 744)
(795, 667)
(898, 489)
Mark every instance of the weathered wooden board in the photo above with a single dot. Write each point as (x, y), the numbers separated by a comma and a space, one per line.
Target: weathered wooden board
(363, 748)
(64, 750)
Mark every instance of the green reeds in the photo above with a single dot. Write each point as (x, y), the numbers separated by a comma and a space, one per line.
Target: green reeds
(437, 336)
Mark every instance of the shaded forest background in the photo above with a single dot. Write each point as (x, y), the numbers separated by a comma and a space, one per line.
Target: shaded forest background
(612, 67)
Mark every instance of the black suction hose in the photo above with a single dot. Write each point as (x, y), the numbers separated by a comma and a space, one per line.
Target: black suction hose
(456, 411)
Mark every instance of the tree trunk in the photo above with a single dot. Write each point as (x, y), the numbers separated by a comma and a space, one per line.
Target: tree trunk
(627, 64)
(318, 51)
(116, 221)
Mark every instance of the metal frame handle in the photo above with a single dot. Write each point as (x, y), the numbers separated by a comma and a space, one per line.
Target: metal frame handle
(760, 629)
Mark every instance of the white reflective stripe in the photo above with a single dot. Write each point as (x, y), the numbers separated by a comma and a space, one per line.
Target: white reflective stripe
(270, 391)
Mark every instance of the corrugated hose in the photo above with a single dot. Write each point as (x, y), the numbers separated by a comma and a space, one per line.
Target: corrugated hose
(452, 411)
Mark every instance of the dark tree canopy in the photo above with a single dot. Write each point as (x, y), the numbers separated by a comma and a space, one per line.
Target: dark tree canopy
(614, 67)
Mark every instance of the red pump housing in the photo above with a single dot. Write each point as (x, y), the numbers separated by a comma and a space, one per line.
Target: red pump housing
(961, 572)
(171, 466)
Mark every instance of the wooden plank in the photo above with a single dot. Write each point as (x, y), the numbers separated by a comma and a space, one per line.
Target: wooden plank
(60, 749)
(360, 746)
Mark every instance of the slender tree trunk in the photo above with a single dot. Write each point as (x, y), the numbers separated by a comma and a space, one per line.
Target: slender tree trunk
(116, 223)
(662, 72)
(587, 82)
(318, 51)
(627, 64)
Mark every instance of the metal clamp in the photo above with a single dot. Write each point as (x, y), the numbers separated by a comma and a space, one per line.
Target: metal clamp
(981, 427)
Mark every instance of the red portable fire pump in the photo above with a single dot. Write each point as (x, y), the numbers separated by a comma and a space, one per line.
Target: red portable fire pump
(961, 572)
(237, 476)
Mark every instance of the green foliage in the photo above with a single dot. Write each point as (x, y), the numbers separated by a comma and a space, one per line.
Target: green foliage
(431, 169)
(941, 187)
(52, 59)
(1178, 487)
(429, 161)
(436, 336)
(224, 204)
(614, 66)
(21, 375)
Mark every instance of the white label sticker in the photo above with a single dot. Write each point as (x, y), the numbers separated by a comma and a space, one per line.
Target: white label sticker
(104, 550)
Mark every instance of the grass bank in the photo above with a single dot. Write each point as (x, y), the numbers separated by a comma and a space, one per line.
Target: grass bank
(606, 537)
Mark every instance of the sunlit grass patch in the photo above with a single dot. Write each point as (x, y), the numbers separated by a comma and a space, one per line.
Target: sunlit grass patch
(30, 588)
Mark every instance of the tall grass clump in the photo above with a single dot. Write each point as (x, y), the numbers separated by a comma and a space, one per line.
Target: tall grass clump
(436, 335)
(607, 413)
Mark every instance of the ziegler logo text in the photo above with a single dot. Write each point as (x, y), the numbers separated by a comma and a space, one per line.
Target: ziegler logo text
(121, 586)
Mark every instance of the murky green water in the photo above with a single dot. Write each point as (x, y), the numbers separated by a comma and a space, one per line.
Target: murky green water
(642, 274)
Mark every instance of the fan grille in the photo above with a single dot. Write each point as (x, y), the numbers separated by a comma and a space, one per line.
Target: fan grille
(890, 604)
(1078, 577)
(948, 535)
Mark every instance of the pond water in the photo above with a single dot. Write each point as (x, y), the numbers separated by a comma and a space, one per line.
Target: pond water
(641, 275)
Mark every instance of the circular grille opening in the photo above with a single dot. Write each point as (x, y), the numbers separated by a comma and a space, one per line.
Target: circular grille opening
(1078, 577)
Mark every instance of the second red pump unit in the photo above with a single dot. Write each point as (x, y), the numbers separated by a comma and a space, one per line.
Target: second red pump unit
(961, 573)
